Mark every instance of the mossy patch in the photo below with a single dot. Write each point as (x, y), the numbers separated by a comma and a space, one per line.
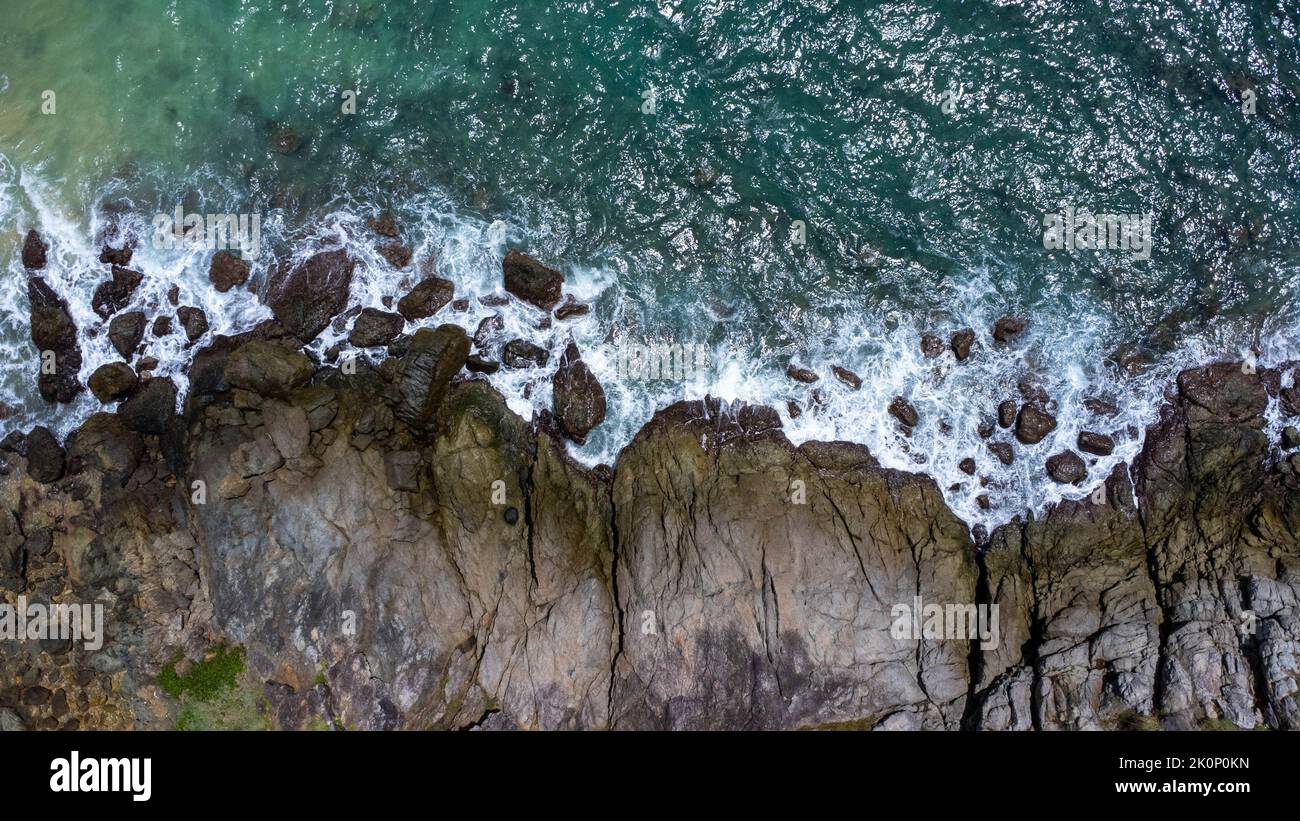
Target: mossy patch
(206, 679)
(214, 694)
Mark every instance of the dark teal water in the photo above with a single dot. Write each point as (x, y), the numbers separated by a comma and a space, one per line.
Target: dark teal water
(487, 125)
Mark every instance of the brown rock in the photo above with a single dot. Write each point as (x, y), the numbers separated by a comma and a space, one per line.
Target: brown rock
(1005, 453)
(1096, 443)
(227, 271)
(532, 281)
(847, 376)
(1067, 468)
(374, 327)
(426, 298)
(35, 251)
(931, 345)
(800, 374)
(1007, 328)
(112, 382)
(962, 342)
(1033, 425)
(579, 399)
(903, 411)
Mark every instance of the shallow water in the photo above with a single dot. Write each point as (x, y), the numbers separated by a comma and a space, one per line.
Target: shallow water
(486, 125)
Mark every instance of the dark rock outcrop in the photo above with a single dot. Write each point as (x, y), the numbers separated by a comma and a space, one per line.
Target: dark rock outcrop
(113, 295)
(520, 353)
(305, 297)
(112, 381)
(1008, 328)
(579, 399)
(962, 342)
(1067, 468)
(374, 327)
(532, 281)
(1033, 424)
(35, 251)
(126, 331)
(227, 270)
(55, 335)
(426, 298)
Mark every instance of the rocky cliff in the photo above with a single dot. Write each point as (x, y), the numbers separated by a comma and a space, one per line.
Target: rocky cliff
(393, 548)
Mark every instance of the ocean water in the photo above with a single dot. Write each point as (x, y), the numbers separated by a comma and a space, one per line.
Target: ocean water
(776, 181)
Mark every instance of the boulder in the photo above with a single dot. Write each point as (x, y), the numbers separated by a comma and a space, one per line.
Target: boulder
(800, 374)
(1098, 444)
(397, 254)
(426, 298)
(105, 444)
(1033, 424)
(374, 327)
(1007, 413)
(962, 342)
(54, 331)
(520, 353)
(113, 295)
(384, 224)
(116, 256)
(1005, 453)
(847, 376)
(193, 320)
(579, 400)
(967, 466)
(1290, 437)
(1067, 468)
(571, 308)
(286, 141)
(904, 412)
(45, 456)
(267, 369)
(112, 382)
(162, 326)
(305, 297)
(150, 409)
(126, 331)
(35, 251)
(487, 330)
(531, 280)
(435, 356)
(227, 270)
(1008, 327)
(478, 364)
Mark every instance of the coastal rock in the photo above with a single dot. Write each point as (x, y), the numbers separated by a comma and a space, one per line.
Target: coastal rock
(967, 466)
(162, 326)
(113, 295)
(304, 298)
(1098, 444)
(571, 308)
(193, 320)
(53, 331)
(286, 141)
(1005, 453)
(532, 281)
(962, 342)
(478, 364)
(1033, 425)
(112, 381)
(35, 251)
(1008, 327)
(800, 374)
(227, 270)
(520, 353)
(374, 327)
(904, 412)
(105, 444)
(1290, 437)
(435, 356)
(267, 369)
(1007, 413)
(116, 256)
(931, 345)
(126, 331)
(1067, 468)
(45, 456)
(579, 398)
(487, 330)
(426, 298)
(150, 409)
(847, 376)
(1101, 407)
(384, 225)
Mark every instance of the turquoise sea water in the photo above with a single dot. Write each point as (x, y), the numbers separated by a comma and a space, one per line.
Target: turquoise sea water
(486, 124)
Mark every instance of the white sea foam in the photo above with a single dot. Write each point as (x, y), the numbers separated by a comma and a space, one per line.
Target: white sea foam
(1062, 351)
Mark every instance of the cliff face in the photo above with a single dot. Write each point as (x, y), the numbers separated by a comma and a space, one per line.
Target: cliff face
(395, 549)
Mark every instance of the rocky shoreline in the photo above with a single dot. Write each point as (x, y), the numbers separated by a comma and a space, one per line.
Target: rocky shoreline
(390, 546)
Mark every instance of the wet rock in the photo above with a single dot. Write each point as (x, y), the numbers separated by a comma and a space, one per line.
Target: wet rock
(113, 295)
(116, 256)
(487, 330)
(435, 356)
(194, 321)
(426, 298)
(112, 382)
(800, 374)
(1005, 453)
(532, 281)
(904, 412)
(1007, 413)
(847, 376)
(374, 327)
(267, 369)
(1033, 425)
(520, 353)
(1067, 468)
(105, 444)
(493, 300)
(306, 297)
(384, 225)
(1289, 401)
(1007, 328)
(227, 270)
(983, 501)
(962, 342)
(35, 251)
(286, 141)
(967, 466)
(45, 456)
(53, 330)
(150, 409)
(397, 254)
(162, 326)
(1097, 444)
(1290, 437)
(126, 331)
(478, 364)
(579, 400)
(1100, 407)
(792, 407)
(931, 345)
(571, 308)
(986, 429)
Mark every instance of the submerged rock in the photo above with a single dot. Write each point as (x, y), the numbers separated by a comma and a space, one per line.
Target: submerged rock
(579, 400)
(384, 225)
(571, 308)
(35, 251)
(800, 374)
(931, 345)
(1007, 413)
